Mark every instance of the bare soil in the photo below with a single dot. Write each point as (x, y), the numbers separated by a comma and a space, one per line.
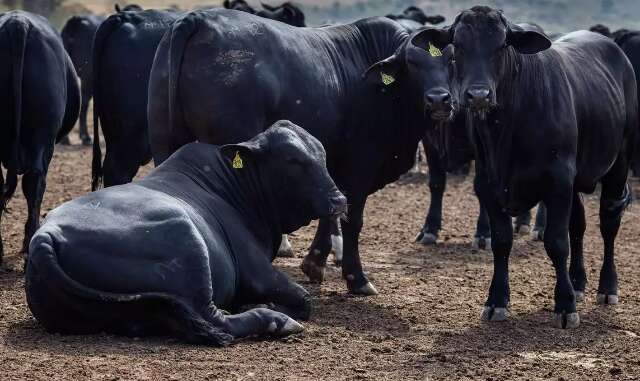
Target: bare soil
(423, 325)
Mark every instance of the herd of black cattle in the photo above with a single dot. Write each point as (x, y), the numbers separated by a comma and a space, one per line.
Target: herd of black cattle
(544, 121)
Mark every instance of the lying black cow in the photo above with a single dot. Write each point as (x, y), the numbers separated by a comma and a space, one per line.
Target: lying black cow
(164, 254)
(40, 100)
(366, 90)
(546, 126)
(629, 42)
(77, 36)
(128, 8)
(238, 5)
(124, 48)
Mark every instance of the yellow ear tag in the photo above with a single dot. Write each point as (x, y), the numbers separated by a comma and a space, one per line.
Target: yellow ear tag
(435, 52)
(237, 161)
(387, 79)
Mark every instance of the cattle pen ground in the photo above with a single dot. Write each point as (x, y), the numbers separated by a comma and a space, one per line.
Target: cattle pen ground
(423, 325)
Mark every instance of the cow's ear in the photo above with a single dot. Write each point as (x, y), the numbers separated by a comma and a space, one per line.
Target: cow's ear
(241, 153)
(384, 73)
(430, 38)
(527, 41)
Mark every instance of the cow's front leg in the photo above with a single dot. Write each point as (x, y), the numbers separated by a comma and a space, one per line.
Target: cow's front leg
(33, 187)
(482, 237)
(556, 243)
(271, 286)
(428, 235)
(357, 281)
(496, 306)
(314, 264)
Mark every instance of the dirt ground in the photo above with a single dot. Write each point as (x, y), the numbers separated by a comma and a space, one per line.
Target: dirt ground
(424, 324)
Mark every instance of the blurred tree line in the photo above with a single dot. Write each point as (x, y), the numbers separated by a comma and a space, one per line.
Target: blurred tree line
(43, 7)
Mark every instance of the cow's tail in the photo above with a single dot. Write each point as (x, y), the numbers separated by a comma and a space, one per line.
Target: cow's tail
(49, 286)
(104, 31)
(181, 32)
(18, 31)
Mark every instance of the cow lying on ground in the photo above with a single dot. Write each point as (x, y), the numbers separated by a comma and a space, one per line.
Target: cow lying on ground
(546, 127)
(164, 255)
(40, 102)
(366, 90)
(77, 37)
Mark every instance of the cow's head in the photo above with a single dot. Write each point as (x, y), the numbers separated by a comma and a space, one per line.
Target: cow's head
(484, 42)
(292, 165)
(416, 14)
(419, 68)
(286, 13)
(238, 5)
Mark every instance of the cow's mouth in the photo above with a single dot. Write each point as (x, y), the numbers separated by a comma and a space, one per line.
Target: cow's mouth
(442, 115)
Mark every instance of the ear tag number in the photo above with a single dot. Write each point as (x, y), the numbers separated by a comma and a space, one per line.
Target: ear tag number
(435, 52)
(237, 161)
(387, 79)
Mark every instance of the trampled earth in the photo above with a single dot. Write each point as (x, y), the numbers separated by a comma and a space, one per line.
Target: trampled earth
(423, 325)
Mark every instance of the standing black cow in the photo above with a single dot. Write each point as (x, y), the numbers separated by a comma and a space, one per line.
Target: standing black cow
(629, 42)
(546, 126)
(77, 37)
(123, 52)
(417, 15)
(366, 90)
(40, 100)
(163, 254)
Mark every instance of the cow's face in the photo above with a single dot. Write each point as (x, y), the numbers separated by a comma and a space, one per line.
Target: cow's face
(484, 42)
(292, 164)
(421, 69)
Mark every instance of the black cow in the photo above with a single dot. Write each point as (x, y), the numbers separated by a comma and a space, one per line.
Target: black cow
(417, 15)
(124, 48)
(286, 13)
(77, 37)
(128, 8)
(40, 101)
(546, 126)
(453, 154)
(366, 90)
(629, 42)
(238, 5)
(164, 254)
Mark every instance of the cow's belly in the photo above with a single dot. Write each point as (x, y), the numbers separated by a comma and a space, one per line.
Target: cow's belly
(130, 239)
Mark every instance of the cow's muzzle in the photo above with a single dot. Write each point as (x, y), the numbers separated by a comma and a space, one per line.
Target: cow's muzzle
(438, 104)
(478, 98)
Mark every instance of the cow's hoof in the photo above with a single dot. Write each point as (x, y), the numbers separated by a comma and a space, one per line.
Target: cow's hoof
(336, 246)
(523, 229)
(579, 296)
(566, 320)
(314, 272)
(426, 238)
(481, 243)
(367, 289)
(607, 299)
(537, 235)
(494, 314)
(285, 250)
(290, 327)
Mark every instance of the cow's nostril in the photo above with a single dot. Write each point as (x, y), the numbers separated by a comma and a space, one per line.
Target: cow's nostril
(478, 94)
(441, 98)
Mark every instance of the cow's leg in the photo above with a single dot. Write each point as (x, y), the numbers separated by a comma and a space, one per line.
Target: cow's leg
(285, 250)
(314, 264)
(254, 322)
(482, 238)
(337, 244)
(556, 244)
(357, 282)
(614, 199)
(428, 235)
(2, 207)
(522, 224)
(84, 108)
(119, 167)
(541, 223)
(577, 227)
(33, 187)
(495, 308)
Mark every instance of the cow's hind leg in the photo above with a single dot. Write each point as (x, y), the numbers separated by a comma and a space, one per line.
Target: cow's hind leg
(577, 227)
(541, 222)
(84, 108)
(119, 167)
(522, 224)
(482, 238)
(33, 186)
(614, 199)
(428, 235)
